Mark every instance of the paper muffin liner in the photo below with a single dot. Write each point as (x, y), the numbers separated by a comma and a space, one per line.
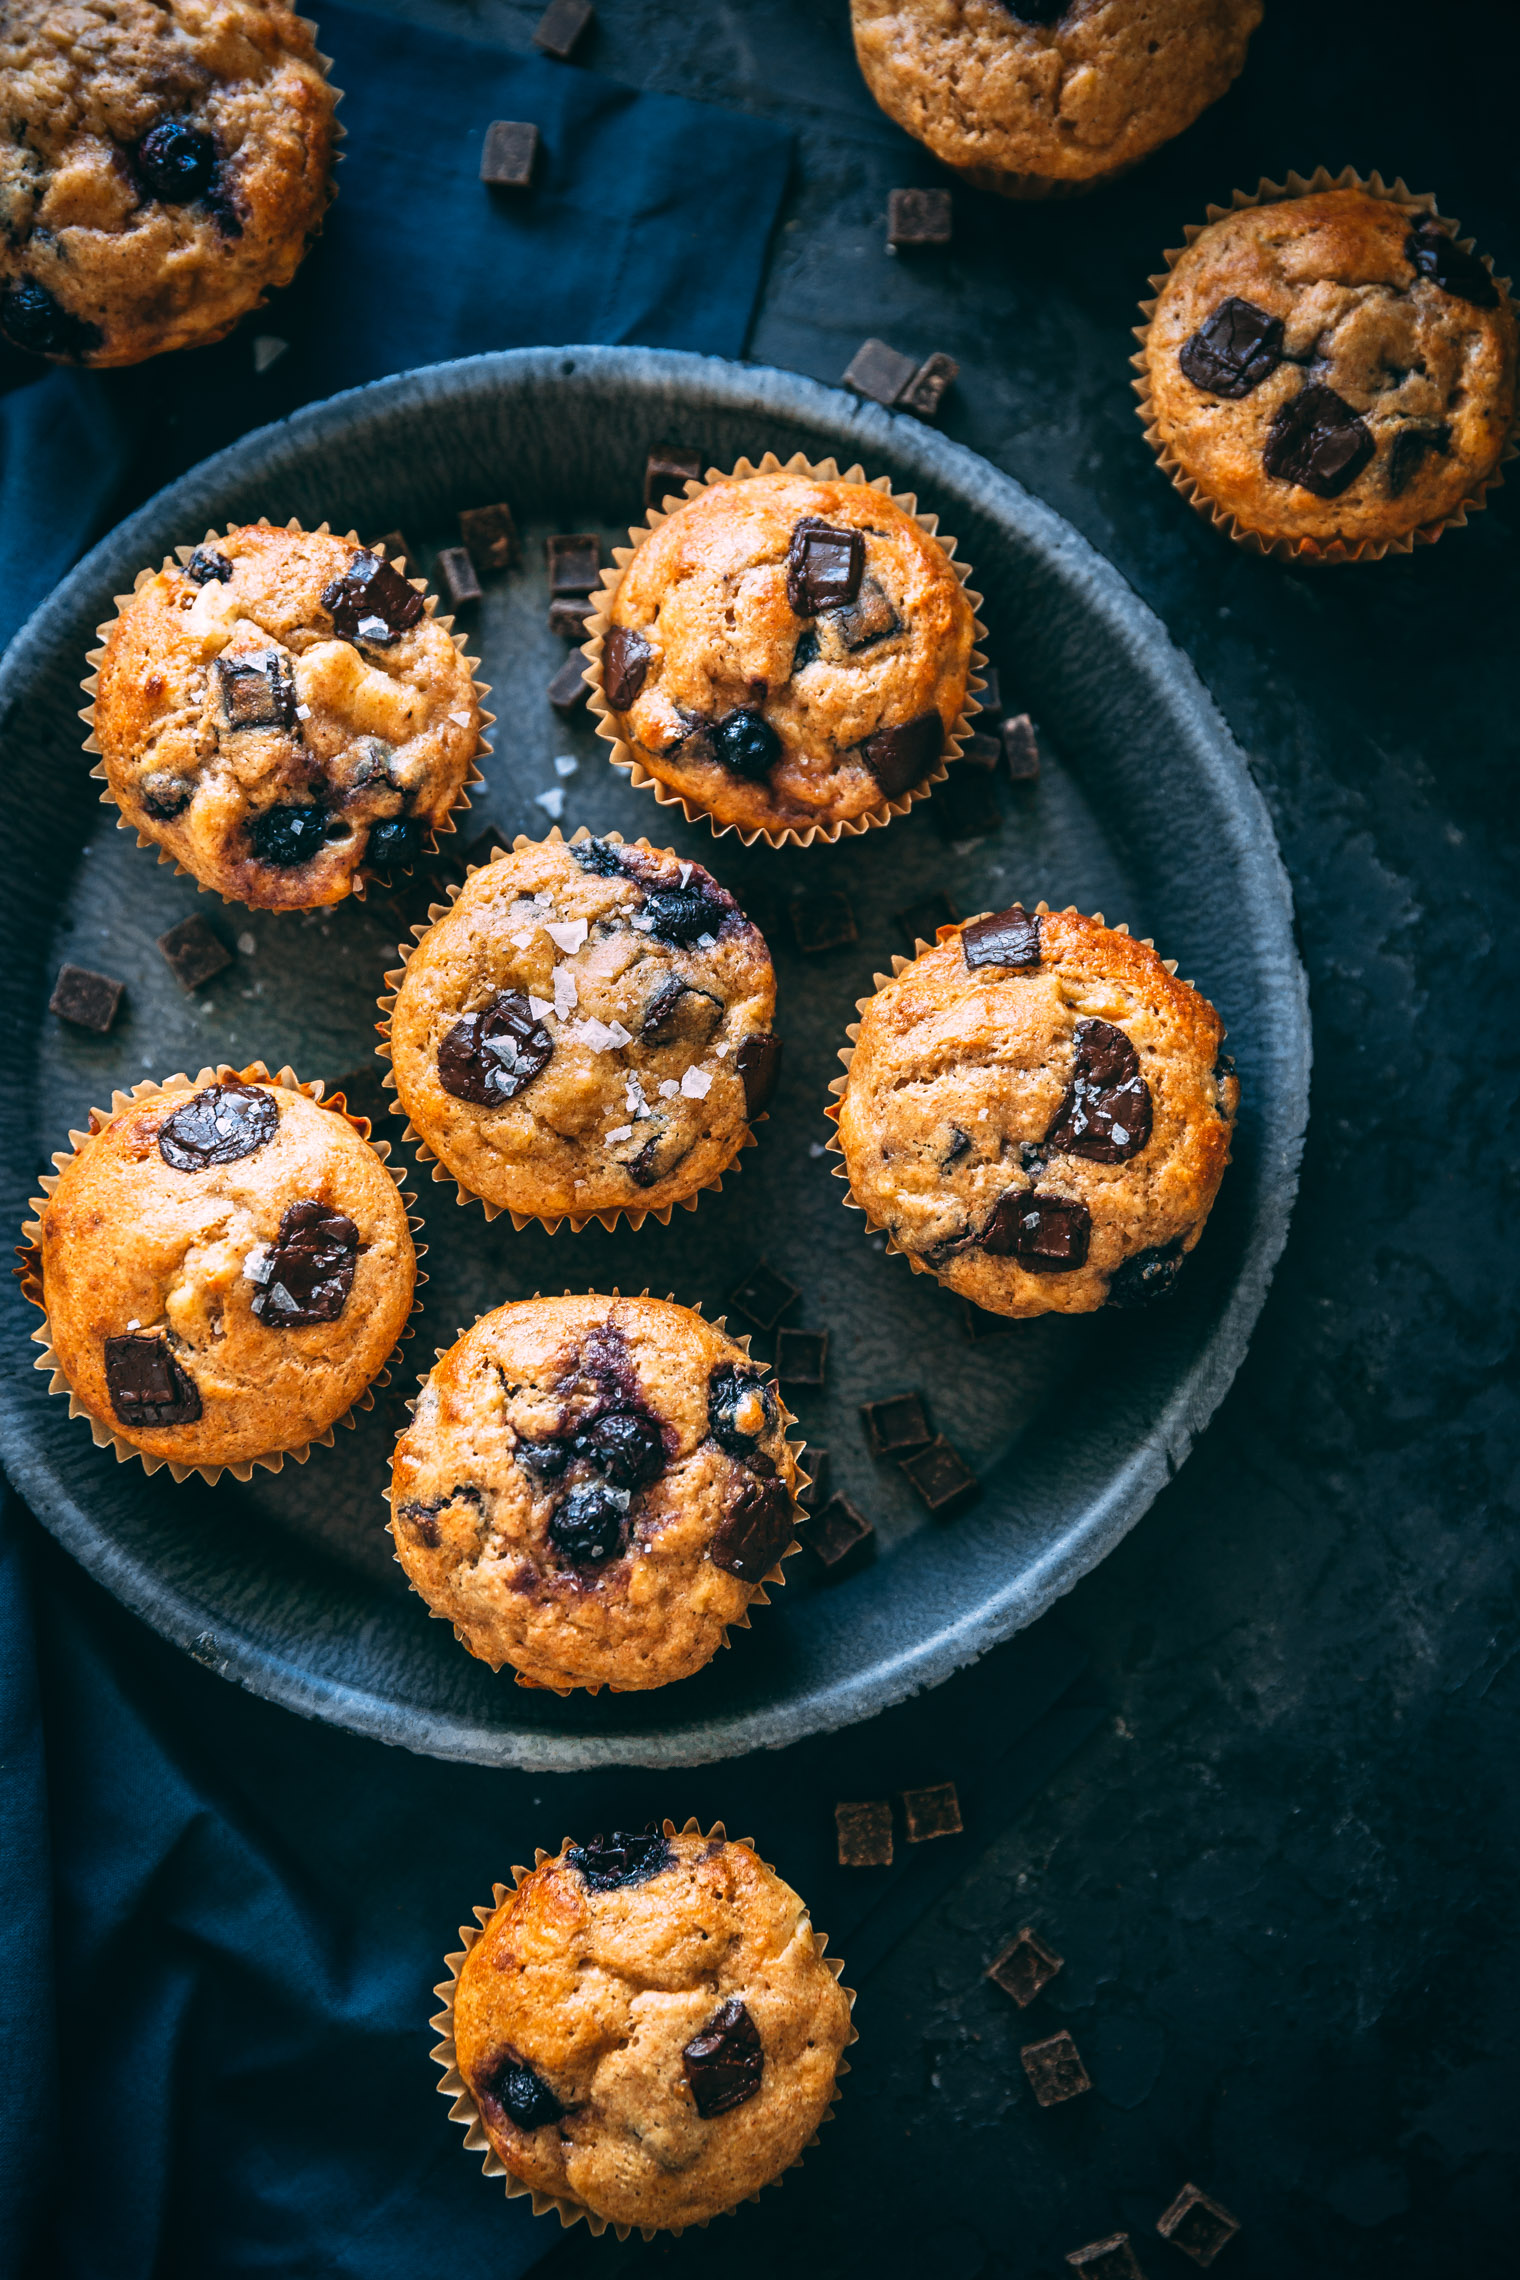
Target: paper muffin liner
(29, 1271)
(623, 754)
(757, 1592)
(465, 2111)
(633, 1215)
(1307, 551)
(181, 555)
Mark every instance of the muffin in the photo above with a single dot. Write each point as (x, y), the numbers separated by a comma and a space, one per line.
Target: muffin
(225, 1267)
(1331, 370)
(1039, 1114)
(1036, 100)
(787, 654)
(281, 714)
(587, 1030)
(165, 164)
(593, 1489)
(647, 2029)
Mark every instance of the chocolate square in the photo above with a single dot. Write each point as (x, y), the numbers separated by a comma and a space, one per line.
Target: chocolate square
(509, 154)
(825, 563)
(575, 562)
(1021, 753)
(932, 1812)
(898, 1424)
(1200, 2227)
(981, 752)
(801, 1356)
(823, 921)
(1024, 1967)
(562, 23)
(878, 372)
(147, 1383)
(1110, 2259)
(979, 1324)
(567, 691)
(763, 1296)
(865, 1834)
(757, 1065)
(1008, 938)
(815, 1496)
(490, 534)
(193, 952)
(667, 472)
(840, 1534)
(257, 690)
(918, 217)
(1055, 2069)
(925, 391)
(393, 545)
(966, 803)
(456, 575)
(942, 1478)
(1317, 441)
(88, 999)
(1237, 348)
(568, 617)
(921, 921)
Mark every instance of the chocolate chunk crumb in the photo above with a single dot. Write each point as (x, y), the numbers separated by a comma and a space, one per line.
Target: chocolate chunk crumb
(1439, 257)
(308, 1275)
(979, 1324)
(931, 1812)
(966, 803)
(87, 999)
(824, 567)
(900, 757)
(897, 1425)
(668, 471)
(1106, 1113)
(31, 319)
(840, 1535)
(815, 1495)
(491, 1056)
(1021, 751)
(562, 23)
(879, 372)
(218, 1125)
(1055, 2069)
(1112, 2258)
(206, 565)
(569, 617)
(626, 659)
(490, 534)
(725, 2061)
(1147, 1277)
(823, 921)
(147, 1383)
(1408, 451)
(193, 952)
(394, 546)
(865, 1834)
(509, 154)
(1009, 938)
(1317, 440)
(801, 1356)
(1197, 2225)
(763, 1296)
(606, 1863)
(521, 2094)
(257, 690)
(372, 602)
(756, 1527)
(575, 562)
(942, 1478)
(285, 837)
(1024, 1967)
(567, 691)
(456, 575)
(921, 921)
(1238, 348)
(925, 391)
(757, 1062)
(745, 743)
(918, 217)
(1047, 1234)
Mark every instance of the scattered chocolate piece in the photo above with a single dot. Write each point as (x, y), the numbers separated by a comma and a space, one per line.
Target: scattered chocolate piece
(745, 743)
(310, 1271)
(925, 391)
(801, 1356)
(372, 601)
(725, 2061)
(608, 1862)
(1317, 440)
(823, 921)
(1024, 1967)
(625, 665)
(1147, 1277)
(899, 757)
(490, 534)
(218, 1125)
(206, 565)
(763, 1296)
(757, 1063)
(1106, 1113)
(567, 691)
(1234, 351)
(816, 1494)
(588, 1526)
(562, 23)
(257, 690)
(1055, 2069)
(285, 837)
(1009, 938)
(88, 999)
(979, 1324)
(865, 1834)
(1197, 2225)
(869, 618)
(147, 1383)
(456, 575)
(966, 803)
(176, 161)
(840, 1534)
(741, 1409)
(193, 952)
(921, 921)
(393, 545)
(918, 217)
(31, 319)
(942, 1478)
(1406, 454)
(931, 1812)
(897, 1425)
(981, 752)
(569, 617)
(1047, 1234)
(509, 154)
(1021, 751)
(668, 471)
(824, 567)
(879, 372)
(1109, 2259)
(1439, 257)
(491, 1056)
(575, 562)
(755, 1529)
(521, 2094)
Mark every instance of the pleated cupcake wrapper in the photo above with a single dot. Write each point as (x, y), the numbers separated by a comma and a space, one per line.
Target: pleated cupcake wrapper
(29, 1271)
(1305, 551)
(633, 1214)
(177, 560)
(623, 754)
(757, 1591)
(466, 2112)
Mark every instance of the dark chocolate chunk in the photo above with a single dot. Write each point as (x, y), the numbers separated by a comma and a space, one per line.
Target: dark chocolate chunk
(724, 2062)
(824, 566)
(981, 753)
(899, 757)
(567, 691)
(257, 690)
(757, 1064)
(1238, 347)
(176, 161)
(667, 473)
(509, 154)
(868, 619)
(942, 1478)
(562, 23)
(393, 545)
(763, 1296)
(676, 1013)
(745, 743)
(1407, 453)
(1147, 1277)
(206, 565)
(1024, 1967)
(1112, 2258)
(625, 1857)
(456, 575)
(569, 617)
(918, 217)
(1048, 1234)
(31, 319)
(966, 803)
(1439, 257)
(165, 795)
(925, 391)
(979, 1324)
(741, 1409)
(1316, 439)
(218, 1125)
(683, 914)
(1055, 2069)
(520, 2093)
(87, 999)
(372, 601)
(1031, 1159)
(1197, 2225)
(896, 1425)
(625, 666)
(284, 837)
(823, 921)
(626, 1447)
(840, 1535)
(588, 1527)
(801, 1356)
(921, 921)
(194, 953)
(575, 562)
(147, 1382)
(864, 1833)
(394, 843)
(1021, 752)
(660, 1154)
(490, 535)
(879, 372)
(807, 650)
(1009, 938)
(960, 1143)
(815, 1494)
(931, 1812)
(310, 1271)
(756, 1527)
(491, 1056)
(1106, 1114)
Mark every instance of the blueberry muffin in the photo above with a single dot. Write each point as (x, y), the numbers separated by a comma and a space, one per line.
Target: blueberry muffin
(648, 2027)
(593, 1490)
(788, 653)
(225, 1267)
(1331, 368)
(1035, 99)
(165, 164)
(586, 1030)
(1039, 1113)
(282, 714)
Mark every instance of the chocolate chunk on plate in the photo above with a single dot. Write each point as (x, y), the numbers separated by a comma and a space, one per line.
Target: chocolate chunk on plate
(921, 921)
(990, 695)
(87, 999)
(864, 1833)
(1112, 2258)
(880, 372)
(1200, 2227)
(568, 616)
(561, 25)
(509, 154)
(925, 391)
(456, 575)
(801, 1356)
(815, 1496)
(931, 1812)
(1055, 2069)
(1009, 938)
(823, 921)
(490, 535)
(763, 1296)
(667, 473)
(918, 217)
(1021, 751)
(193, 952)
(575, 562)
(1024, 1967)
(942, 1478)
(567, 691)
(897, 1425)
(840, 1535)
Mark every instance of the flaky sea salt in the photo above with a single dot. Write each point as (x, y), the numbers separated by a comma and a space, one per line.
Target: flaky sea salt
(566, 995)
(620, 1035)
(642, 925)
(669, 1089)
(460, 719)
(696, 1084)
(565, 763)
(570, 933)
(707, 942)
(620, 1132)
(538, 1006)
(685, 873)
(522, 941)
(552, 802)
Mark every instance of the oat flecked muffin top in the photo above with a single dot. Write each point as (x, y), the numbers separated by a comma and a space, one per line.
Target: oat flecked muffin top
(1039, 1112)
(165, 163)
(649, 2028)
(1021, 95)
(282, 713)
(787, 652)
(592, 1489)
(1332, 367)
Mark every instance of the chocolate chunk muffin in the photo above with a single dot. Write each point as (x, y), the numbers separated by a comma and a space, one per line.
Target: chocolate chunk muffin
(1035, 99)
(647, 2028)
(225, 1266)
(788, 653)
(593, 1490)
(282, 714)
(1039, 1113)
(165, 164)
(1330, 371)
(586, 1031)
